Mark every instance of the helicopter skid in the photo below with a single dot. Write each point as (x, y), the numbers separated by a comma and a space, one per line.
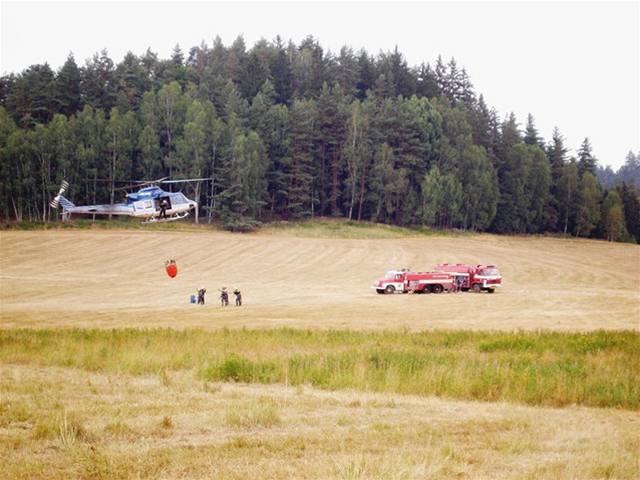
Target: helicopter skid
(172, 218)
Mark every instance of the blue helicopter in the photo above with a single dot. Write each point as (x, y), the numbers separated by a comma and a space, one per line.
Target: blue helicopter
(150, 203)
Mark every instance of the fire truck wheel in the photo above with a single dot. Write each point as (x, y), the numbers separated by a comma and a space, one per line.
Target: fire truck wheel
(426, 289)
(476, 288)
(436, 289)
(390, 289)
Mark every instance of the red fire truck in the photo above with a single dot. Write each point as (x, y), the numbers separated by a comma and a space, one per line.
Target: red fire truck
(404, 281)
(475, 278)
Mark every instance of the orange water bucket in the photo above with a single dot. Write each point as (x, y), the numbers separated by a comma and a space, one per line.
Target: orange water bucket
(172, 270)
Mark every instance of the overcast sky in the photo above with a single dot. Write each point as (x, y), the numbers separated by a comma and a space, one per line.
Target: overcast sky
(574, 65)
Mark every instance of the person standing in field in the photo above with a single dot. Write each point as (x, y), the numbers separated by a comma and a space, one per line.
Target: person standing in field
(224, 297)
(201, 293)
(238, 295)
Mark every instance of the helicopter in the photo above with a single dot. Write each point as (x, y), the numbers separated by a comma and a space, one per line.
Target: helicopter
(150, 203)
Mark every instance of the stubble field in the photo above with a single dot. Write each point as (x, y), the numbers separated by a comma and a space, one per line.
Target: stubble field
(116, 279)
(356, 392)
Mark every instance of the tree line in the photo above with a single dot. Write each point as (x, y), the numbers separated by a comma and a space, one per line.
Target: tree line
(291, 131)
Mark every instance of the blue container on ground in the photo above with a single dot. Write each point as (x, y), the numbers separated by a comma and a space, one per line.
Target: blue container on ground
(193, 299)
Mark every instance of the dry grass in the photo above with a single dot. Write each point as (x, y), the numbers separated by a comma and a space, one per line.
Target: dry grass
(115, 426)
(110, 278)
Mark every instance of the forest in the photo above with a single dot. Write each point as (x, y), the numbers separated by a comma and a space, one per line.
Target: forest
(290, 131)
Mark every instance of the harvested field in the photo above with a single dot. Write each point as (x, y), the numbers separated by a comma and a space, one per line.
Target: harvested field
(106, 278)
(297, 402)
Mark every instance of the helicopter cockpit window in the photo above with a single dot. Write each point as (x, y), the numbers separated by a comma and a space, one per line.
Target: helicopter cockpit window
(180, 198)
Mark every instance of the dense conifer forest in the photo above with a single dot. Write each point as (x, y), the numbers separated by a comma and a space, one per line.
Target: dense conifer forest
(292, 131)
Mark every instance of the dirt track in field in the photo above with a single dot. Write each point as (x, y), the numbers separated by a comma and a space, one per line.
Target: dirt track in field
(99, 278)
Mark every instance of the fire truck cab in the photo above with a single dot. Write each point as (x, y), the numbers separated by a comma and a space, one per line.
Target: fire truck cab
(404, 281)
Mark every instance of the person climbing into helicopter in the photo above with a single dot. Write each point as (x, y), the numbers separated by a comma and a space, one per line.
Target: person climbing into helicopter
(201, 293)
(164, 204)
(224, 297)
(238, 295)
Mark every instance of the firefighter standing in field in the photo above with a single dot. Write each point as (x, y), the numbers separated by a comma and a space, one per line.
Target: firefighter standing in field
(238, 295)
(224, 297)
(201, 293)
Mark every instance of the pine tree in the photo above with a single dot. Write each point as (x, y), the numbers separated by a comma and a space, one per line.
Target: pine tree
(32, 99)
(255, 73)
(586, 161)
(282, 74)
(404, 81)
(67, 88)
(175, 70)
(248, 182)
(198, 59)
(98, 84)
(426, 83)
(441, 75)
(332, 117)
(481, 123)
(631, 205)
(466, 95)
(132, 83)
(235, 60)
(556, 153)
(453, 83)
(7, 170)
(531, 136)
(348, 71)
(367, 74)
(630, 171)
(300, 196)
(309, 68)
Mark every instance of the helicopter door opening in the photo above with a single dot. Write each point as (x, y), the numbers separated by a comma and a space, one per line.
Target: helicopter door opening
(159, 200)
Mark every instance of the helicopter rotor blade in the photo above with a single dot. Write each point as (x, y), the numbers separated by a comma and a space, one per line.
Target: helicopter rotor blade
(107, 180)
(186, 180)
(142, 183)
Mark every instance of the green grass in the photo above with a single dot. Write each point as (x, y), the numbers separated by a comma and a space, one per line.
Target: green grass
(106, 224)
(316, 228)
(599, 369)
(341, 228)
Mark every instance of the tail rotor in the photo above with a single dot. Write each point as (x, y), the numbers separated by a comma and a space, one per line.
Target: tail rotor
(55, 203)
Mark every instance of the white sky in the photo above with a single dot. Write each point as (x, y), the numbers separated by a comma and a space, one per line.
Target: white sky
(575, 65)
